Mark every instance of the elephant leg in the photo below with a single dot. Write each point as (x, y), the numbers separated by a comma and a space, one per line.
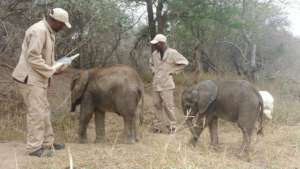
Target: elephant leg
(86, 113)
(84, 121)
(247, 132)
(134, 129)
(100, 126)
(128, 130)
(213, 131)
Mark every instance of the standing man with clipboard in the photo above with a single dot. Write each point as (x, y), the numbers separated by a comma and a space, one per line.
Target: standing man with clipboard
(33, 74)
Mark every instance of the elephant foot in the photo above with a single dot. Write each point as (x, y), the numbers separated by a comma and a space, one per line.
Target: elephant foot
(193, 141)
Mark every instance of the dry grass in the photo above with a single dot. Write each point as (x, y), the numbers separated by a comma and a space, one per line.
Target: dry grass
(278, 149)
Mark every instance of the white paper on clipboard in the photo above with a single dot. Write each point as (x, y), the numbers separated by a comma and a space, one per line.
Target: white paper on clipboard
(65, 61)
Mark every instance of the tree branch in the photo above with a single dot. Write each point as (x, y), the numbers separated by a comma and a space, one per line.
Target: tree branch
(237, 47)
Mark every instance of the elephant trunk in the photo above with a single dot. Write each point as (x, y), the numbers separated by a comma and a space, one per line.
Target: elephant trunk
(74, 103)
(73, 107)
(78, 88)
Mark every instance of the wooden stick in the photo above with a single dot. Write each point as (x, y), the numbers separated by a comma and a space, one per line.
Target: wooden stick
(70, 158)
(6, 65)
(16, 160)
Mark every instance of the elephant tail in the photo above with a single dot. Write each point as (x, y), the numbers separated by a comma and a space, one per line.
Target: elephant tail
(260, 115)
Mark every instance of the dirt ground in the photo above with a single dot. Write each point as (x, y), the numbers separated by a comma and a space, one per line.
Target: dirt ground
(278, 149)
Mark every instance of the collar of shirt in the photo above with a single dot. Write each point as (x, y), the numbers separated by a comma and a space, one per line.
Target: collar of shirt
(52, 32)
(164, 56)
(166, 53)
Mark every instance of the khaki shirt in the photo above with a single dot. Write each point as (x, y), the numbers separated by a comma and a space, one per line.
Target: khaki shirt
(163, 69)
(37, 55)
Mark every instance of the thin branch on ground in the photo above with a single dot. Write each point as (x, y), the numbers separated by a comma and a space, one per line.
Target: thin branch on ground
(70, 158)
(6, 66)
(16, 160)
(4, 27)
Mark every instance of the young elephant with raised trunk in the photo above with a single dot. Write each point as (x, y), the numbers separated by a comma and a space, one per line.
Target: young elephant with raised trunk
(116, 89)
(236, 101)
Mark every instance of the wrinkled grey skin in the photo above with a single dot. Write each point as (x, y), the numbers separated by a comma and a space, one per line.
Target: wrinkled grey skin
(114, 89)
(236, 101)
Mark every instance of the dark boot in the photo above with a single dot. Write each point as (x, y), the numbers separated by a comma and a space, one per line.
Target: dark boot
(42, 152)
(37, 153)
(58, 146)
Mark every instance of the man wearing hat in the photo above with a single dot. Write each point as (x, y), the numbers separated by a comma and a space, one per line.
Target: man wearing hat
(33, 74)
(164, 63)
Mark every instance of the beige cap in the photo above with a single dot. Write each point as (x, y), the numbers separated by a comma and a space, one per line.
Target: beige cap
(61, 15)
(159, 38)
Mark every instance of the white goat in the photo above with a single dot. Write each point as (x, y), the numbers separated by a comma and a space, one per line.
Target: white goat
(268, 101)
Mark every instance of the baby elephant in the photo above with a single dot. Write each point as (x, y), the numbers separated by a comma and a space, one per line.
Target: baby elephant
(113, 89)
(236, 101)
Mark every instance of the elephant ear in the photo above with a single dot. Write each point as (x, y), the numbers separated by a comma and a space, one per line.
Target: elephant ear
(207, 93)
(79, 85)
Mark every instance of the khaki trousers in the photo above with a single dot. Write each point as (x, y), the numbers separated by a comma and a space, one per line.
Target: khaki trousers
(39, 128)
(165, 107)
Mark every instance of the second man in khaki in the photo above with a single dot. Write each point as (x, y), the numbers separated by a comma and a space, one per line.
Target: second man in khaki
(164, 63)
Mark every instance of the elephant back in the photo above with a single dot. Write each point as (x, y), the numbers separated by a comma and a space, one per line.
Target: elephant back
(114, 85)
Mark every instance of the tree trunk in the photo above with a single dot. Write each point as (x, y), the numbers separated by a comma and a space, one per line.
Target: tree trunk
(249, 15)
(198, 68)
(151, 21)
(161, 17)
(253, 67)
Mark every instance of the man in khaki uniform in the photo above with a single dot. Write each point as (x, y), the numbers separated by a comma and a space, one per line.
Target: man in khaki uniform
(33, 74)
(164, 63)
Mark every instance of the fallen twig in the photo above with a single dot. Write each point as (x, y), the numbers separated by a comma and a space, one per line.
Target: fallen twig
(16, 160)
(4, 27)
(70, 158)
(6, 81)
(6, 65)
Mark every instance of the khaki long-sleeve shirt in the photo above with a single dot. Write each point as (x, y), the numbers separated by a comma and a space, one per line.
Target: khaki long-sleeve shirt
(163, 68)
(37, 55)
